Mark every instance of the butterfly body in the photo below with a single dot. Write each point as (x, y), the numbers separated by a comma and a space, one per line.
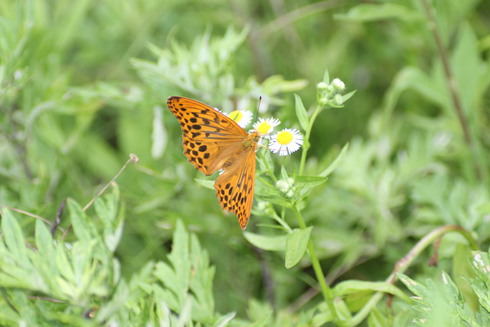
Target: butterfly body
(212, 141)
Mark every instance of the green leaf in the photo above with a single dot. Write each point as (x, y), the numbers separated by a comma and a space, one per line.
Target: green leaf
(118, 301)
(415, 287)
(335, 163)
(266, 242)
(13, 238)
(469, 76)
(44, 241)
(107, 209)
(205, 182)
(187, 276)
(224, 320)
(275, 83)
(296, 244)
(480, 285)
(462, 272)
(301, 112)
(378, 319)
(159, 135)
(347, 96)
(354, 286)
(106, 206)
(284, 173)
(326, 77)
(277, 200)
(259, 313)
(82, 226)
(310, 180)
(306, 183)
(374, 12)
(413, 78)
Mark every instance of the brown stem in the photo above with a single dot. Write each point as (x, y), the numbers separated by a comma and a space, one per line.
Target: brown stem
(25, 213)
(269, 285)
(451, 83)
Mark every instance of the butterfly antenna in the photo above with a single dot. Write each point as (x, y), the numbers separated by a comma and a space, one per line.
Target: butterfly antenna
(256, 114)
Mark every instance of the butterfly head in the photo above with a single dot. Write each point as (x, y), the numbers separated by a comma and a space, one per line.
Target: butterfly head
(251, 140)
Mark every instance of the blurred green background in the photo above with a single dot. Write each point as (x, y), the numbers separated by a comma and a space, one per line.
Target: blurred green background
(83, 84)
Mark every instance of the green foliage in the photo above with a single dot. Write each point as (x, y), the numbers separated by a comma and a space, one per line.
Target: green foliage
(296, 243)
(440, 302)
(390, 96)
(55, 282)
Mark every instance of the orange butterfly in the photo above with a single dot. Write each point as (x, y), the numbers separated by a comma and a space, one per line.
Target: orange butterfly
(212, 141)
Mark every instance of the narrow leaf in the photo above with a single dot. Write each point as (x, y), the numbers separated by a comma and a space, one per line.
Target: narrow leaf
(326, 77)
(301, 112)
(159, 135)
(310, 180)
(12, 235)
(336, 162)
(374, 12)
(206, 183)
(224, 320)
(44, 241)
(82, 228)
(355, 286)
(347, 96)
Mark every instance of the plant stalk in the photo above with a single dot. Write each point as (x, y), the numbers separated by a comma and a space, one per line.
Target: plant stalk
(307, 139)
(453, 88)
(317, 268)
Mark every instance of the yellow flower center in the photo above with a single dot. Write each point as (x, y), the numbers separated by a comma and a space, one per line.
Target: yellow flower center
(284, 137)
(236, 115)
(264, 128)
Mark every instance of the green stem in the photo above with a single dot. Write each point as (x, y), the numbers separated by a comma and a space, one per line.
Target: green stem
(403, 264)
(306, 146)
(317, 268)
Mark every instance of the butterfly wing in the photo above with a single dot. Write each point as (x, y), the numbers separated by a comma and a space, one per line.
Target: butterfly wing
(209, 136)
(235, 186)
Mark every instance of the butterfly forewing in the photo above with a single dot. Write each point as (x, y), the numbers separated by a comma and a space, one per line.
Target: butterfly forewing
(208, 135)
(213, 141)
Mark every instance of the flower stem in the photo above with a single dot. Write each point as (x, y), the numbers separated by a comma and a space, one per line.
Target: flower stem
(306, 146)
(317, 268)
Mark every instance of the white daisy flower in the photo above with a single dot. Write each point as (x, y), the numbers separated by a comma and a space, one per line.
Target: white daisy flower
(286, 142)
(266, 126)
(241, 117)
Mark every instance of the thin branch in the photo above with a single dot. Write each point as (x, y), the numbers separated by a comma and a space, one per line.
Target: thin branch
(26, 213)
(44, 298)
(330, 278)
(451, 83)
(132, 159)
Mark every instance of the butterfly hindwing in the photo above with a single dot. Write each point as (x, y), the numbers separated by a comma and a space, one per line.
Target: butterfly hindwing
(235, 186)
